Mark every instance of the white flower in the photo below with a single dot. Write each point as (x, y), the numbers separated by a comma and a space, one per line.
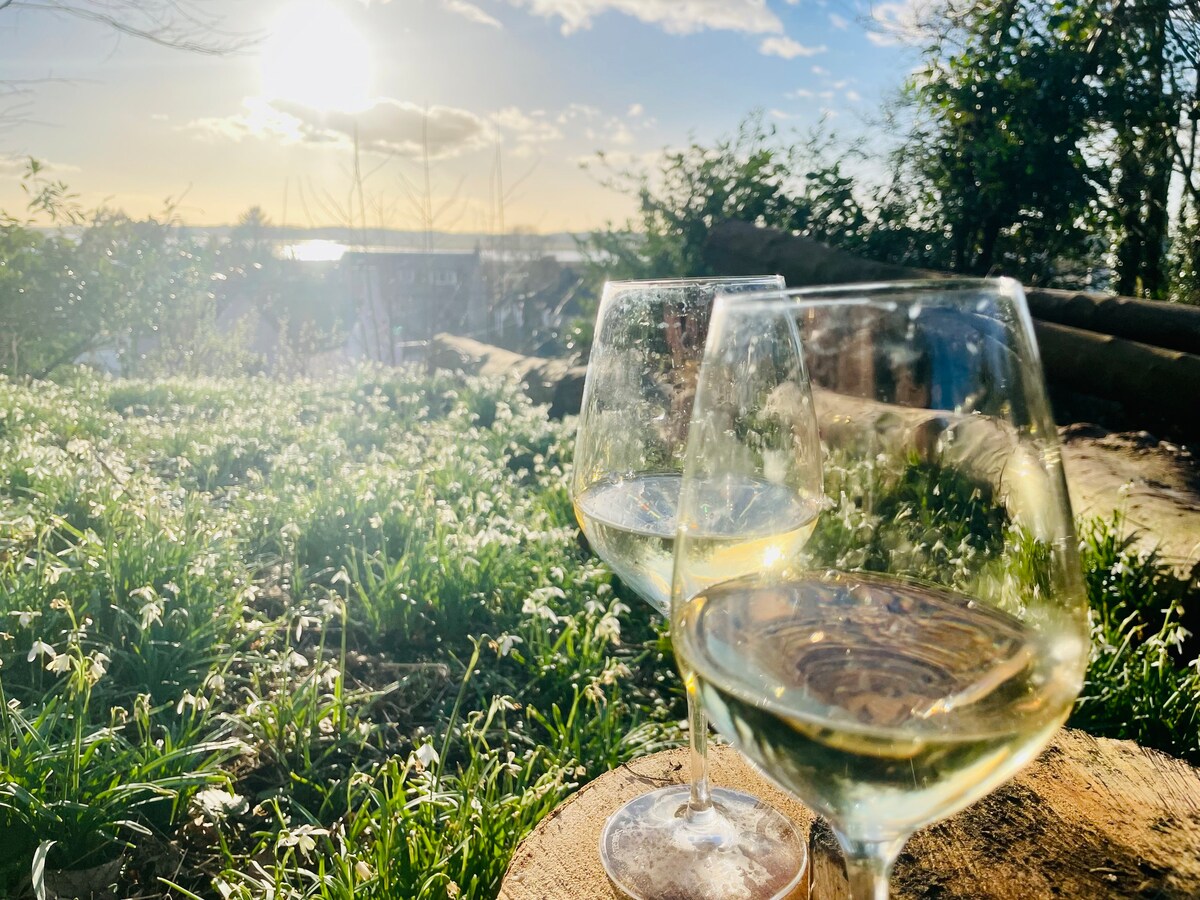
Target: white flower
(426, 755)
(59, 664)
(53, 573)
(531, 607)
(363, 871)
(215, 683)
(41, 648)
(97, 666)
(196, 702)
(151, 614)
(25, 617)
(217, 804)
(609, 629)
(303, 838)
(503, 645)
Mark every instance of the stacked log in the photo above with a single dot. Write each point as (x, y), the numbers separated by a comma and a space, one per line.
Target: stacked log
(1132, 363)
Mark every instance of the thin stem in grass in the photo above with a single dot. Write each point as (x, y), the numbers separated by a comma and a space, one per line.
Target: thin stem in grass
(476, 643)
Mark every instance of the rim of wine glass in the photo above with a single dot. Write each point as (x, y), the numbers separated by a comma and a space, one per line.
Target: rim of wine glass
(702, 279)
(828, 294)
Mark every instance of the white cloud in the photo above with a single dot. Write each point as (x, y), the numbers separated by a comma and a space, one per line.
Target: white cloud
(577, 111)
(397, 126)
(620, 134)
(788, 48)
(803, 93)
(820, 70)
(471, 12)
(853, 96)
(527, 128)
(673, 16)
(898, 23)
(839, 22)
(386, 126)
(635, 110)
(779, 114)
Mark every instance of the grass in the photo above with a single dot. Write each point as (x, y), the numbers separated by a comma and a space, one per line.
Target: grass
(341, 638)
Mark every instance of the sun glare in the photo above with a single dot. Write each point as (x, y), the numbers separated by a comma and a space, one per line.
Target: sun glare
(316, 57)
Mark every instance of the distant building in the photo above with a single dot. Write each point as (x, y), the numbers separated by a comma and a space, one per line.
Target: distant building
(403, 298)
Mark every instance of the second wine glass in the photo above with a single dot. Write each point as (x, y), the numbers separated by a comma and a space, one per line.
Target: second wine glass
(931, 636)
(686, 841)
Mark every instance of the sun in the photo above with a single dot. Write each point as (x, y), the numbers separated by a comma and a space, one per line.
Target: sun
(315, 56)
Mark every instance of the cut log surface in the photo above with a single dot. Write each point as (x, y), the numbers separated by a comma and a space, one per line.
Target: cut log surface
(1091, 818)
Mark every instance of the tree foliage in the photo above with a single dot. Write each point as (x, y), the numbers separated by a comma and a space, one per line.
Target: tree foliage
(149, 297)
(753, 176)
(1048, 138)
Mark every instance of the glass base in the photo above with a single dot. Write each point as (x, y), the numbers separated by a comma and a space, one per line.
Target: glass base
(742, 849)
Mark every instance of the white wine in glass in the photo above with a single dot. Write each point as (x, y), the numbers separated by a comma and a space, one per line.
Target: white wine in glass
(683, 841)
(932, 635)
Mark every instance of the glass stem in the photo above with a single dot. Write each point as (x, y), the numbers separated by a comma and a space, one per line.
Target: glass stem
(869, 865)
(700, 800)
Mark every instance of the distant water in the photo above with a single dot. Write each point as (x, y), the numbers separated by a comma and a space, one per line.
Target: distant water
(326, 251)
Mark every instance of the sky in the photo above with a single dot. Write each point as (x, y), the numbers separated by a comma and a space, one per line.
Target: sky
(451, 104)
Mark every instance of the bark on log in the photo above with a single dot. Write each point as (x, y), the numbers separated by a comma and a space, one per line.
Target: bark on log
(1169, 325)
(741, 248)
(1091, 818)
(1162, 384)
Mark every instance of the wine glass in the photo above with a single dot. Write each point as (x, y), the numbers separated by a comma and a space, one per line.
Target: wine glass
(931, 636)
(680, 841)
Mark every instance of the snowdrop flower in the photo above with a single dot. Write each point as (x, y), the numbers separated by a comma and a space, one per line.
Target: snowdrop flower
(303, 838)
(151, 614)
(59, 664)
(198, 703)
(41, 648)
(426, 755)
(504, 644)
(214, 805)
(97, 666)
(609, 629)
(25, 617)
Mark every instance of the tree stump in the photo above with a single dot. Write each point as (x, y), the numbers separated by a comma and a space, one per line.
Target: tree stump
(1090, 818)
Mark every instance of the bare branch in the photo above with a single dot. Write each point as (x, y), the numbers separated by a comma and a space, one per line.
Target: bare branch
(168, 23)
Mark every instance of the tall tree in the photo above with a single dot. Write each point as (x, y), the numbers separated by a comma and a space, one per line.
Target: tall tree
(1001, 113)
(1054, 124)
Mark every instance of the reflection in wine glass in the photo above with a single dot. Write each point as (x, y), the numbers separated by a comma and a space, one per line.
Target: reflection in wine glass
(682, 841)
(931, 636)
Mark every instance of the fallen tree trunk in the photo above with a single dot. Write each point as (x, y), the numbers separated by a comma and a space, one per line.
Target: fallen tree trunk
(1172, 326)
(740, 248)
(552, 381)
(1158, 383)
